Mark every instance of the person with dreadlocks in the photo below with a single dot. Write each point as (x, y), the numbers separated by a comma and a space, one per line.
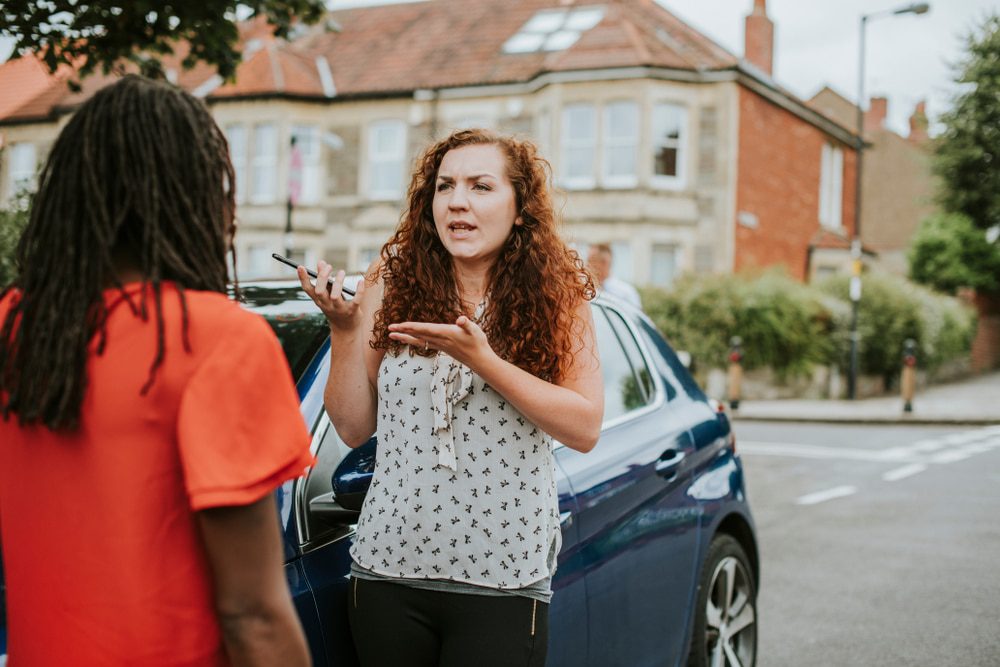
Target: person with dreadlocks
(146, 417)
(468, 348)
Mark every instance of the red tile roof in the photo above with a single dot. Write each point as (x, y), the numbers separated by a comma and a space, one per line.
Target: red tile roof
(450, 43)
(404, 47)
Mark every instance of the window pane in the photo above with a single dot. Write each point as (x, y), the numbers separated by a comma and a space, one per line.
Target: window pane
(21, 169)
(620, 161)
(622, 121)
(545, 21)
(264, 163)
(237, 137)
(579, 137)
(621, 260)
(666, 162)
(579, 123)
(668, 128)
(386, 156)
(563, 39)
(663, 264)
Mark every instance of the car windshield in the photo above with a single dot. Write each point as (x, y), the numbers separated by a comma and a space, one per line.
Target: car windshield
(300, 327)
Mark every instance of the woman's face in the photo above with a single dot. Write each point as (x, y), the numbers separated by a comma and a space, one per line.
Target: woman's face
(475, 206)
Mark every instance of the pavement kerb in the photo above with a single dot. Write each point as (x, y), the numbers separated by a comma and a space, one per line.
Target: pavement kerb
(886, 420)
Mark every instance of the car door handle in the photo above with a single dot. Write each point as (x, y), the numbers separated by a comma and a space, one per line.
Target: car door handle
(666, 465)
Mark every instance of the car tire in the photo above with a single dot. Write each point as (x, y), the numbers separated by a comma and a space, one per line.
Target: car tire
(725, 623)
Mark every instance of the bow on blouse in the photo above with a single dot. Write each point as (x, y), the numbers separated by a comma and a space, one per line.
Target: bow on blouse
(451, 382)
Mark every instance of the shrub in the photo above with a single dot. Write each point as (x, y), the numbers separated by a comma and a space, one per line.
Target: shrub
(790, 327)
(890, 311)
(783, 324)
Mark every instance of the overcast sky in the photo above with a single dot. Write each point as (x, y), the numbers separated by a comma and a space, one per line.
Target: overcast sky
(816, 44)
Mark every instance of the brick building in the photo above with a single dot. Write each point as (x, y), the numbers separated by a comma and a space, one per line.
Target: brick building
(682, 155)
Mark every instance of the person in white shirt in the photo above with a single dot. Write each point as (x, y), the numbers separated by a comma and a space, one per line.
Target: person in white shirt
(599, 261)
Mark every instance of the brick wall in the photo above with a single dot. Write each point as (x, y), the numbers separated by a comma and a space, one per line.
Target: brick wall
(986, 344)
(778, 182)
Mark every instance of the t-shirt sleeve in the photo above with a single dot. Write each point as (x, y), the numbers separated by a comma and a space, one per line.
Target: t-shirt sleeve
(240, 432)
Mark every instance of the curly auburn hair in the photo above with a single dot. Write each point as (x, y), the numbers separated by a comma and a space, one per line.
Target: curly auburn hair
(535, 286)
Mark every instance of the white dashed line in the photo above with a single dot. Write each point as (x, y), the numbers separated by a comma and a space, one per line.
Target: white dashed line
(950, 456)
(905, 471)
(829, 494)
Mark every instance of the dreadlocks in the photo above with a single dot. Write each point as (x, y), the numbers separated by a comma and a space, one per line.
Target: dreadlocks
(140, 177)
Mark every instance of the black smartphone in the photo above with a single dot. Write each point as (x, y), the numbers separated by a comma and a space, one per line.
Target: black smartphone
(284, 260)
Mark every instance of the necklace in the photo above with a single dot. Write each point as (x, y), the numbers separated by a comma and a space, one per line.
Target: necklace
(478, 311)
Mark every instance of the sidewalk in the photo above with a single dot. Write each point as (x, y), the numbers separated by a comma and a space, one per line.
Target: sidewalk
(972, 401)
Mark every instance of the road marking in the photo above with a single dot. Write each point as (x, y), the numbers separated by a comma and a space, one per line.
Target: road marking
(905, 471)
(829, 494)
(950, 456)
(823, 452)
(927, 445)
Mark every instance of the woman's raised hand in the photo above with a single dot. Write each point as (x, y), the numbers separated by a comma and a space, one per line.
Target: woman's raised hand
(342, 314)
(463, 341)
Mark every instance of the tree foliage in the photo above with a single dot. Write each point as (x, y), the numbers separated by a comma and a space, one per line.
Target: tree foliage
(12, 222)
(105, 35)
(949, 252)
(967, 156)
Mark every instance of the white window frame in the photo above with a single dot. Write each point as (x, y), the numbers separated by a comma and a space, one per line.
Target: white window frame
(664, 181)
(583, 181)
(236, 135)
(831, 187)
(393, 158)
(308, 143)
(22, 165)
(614, 139)
(264, 162)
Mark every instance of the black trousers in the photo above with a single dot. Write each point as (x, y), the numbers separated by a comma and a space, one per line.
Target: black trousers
(398, 626)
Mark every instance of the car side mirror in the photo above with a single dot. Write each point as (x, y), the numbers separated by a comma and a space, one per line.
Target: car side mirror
(350, 483)
(353, 476)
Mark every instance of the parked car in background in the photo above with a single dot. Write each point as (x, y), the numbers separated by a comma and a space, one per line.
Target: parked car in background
(659, 563)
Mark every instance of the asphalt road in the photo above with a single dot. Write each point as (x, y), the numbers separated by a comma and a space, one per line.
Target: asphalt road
(880, 545)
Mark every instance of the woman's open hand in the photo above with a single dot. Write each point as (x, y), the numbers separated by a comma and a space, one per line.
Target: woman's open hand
(343, 315)
(463, 341)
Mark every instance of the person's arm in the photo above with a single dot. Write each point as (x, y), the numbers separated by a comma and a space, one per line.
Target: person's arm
(570, 411)
(351, 394)
(259, 624)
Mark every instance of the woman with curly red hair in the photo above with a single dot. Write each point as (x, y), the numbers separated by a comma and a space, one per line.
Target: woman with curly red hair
(468, 348)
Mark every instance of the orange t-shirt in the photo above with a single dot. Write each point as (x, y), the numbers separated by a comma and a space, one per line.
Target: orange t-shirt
(103, 560)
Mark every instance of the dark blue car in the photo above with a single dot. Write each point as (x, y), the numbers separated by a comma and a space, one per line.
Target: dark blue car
(659, 564)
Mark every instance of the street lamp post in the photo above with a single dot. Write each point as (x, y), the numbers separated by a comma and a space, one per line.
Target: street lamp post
(856, 263)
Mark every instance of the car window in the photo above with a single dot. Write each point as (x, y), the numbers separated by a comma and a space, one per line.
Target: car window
(300, 335)
(329, 453)
(623, 391)
(627, 339)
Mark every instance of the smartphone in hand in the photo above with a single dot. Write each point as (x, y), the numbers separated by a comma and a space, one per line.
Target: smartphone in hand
(284, 260)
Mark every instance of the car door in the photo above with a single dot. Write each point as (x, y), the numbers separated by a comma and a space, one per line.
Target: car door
(637, 527)
(568, 611)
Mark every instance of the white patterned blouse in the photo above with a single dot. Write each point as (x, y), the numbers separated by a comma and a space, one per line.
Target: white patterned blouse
(464, 487)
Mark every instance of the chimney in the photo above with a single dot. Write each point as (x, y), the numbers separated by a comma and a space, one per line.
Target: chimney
(758, 38)
(877, 112)
(918, 123)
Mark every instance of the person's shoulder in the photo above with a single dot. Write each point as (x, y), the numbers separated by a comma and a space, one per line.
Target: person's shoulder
(217, 315)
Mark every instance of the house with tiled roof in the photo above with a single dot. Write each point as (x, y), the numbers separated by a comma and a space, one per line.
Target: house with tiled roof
(681, 155)
(897, 182)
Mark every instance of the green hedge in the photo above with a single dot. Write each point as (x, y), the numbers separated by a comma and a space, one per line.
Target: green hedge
(790, 327)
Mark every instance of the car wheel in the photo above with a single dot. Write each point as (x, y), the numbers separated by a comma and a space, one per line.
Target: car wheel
(725, 624)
